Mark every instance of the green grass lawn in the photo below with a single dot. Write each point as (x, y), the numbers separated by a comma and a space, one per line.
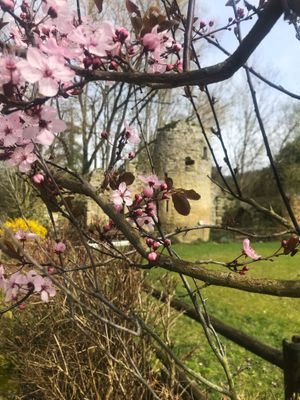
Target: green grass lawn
(268, 318)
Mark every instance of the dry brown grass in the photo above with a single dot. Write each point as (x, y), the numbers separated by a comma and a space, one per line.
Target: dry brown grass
(61, 351)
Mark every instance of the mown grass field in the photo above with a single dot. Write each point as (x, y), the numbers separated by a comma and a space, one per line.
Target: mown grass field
(270, 319)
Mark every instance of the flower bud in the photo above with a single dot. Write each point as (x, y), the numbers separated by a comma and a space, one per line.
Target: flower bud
(59, 247)
(148, 191)
(152, 256)
(167, 242)
(149, 242)
(156, 245)
(104, 135)
(51, 270)
(38, 178)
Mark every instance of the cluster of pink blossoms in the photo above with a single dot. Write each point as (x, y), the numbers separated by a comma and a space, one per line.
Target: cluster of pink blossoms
(22, 130)
(42, 53)
(18, 285)
(142, 210)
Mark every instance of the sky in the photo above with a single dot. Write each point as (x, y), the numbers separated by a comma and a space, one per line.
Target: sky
(277, 56)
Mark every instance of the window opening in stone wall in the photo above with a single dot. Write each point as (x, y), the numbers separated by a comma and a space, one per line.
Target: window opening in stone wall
(189, 161)
(205, 153)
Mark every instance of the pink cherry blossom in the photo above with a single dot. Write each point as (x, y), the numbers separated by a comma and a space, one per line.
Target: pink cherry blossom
(122, 196)
(151, 41)
(61, 49)
(22, 157)
(9, 70)
(43, 127)
(14, 286)
(87, 36)
(59, 247)
(151, 180)
(145, 222)
(131, 136)
(43, 286)
(10, 129)
(47, 71)
(23, 236)
(249, 251)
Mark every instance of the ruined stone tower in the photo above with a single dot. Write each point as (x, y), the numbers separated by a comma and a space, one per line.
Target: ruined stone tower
(181, 152)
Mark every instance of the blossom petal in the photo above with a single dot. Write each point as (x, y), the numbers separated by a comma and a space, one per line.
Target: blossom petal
(48, 87)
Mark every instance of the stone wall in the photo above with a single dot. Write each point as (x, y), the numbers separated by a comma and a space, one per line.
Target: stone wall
(181, 153)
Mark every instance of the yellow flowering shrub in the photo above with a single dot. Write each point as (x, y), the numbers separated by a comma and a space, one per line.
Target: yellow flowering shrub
(28, 225)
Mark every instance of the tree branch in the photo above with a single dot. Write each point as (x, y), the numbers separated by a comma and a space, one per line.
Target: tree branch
(204, 76)
(283, 288)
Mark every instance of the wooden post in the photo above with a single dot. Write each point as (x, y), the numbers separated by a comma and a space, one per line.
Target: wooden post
(291, 368)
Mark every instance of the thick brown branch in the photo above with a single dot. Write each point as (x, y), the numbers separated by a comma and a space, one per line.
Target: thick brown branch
(204, 76)
(274, 287)
(284, 288)
(244, 340)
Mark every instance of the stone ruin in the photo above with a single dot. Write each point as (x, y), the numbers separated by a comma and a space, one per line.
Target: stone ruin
(181, 153)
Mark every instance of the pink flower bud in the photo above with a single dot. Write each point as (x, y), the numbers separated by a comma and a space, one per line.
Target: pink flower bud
(7, 5)
(167, 242)
(104, 135)
(121, 34)
(96, 62)
(138, 198)
(21, 306)
(106, 228)
(211, 23)
(148, 191)
(131, 155)
(51, 270)
(202, 24)
(169, 67)
(138, 213)
(152, 256)
(149, 242)
(179, 66)
(113, 65)
(151, 213)
(163, 186)
(59, 247)
(87, 62)
(176, 47)
(156, 245)
(38, 178)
